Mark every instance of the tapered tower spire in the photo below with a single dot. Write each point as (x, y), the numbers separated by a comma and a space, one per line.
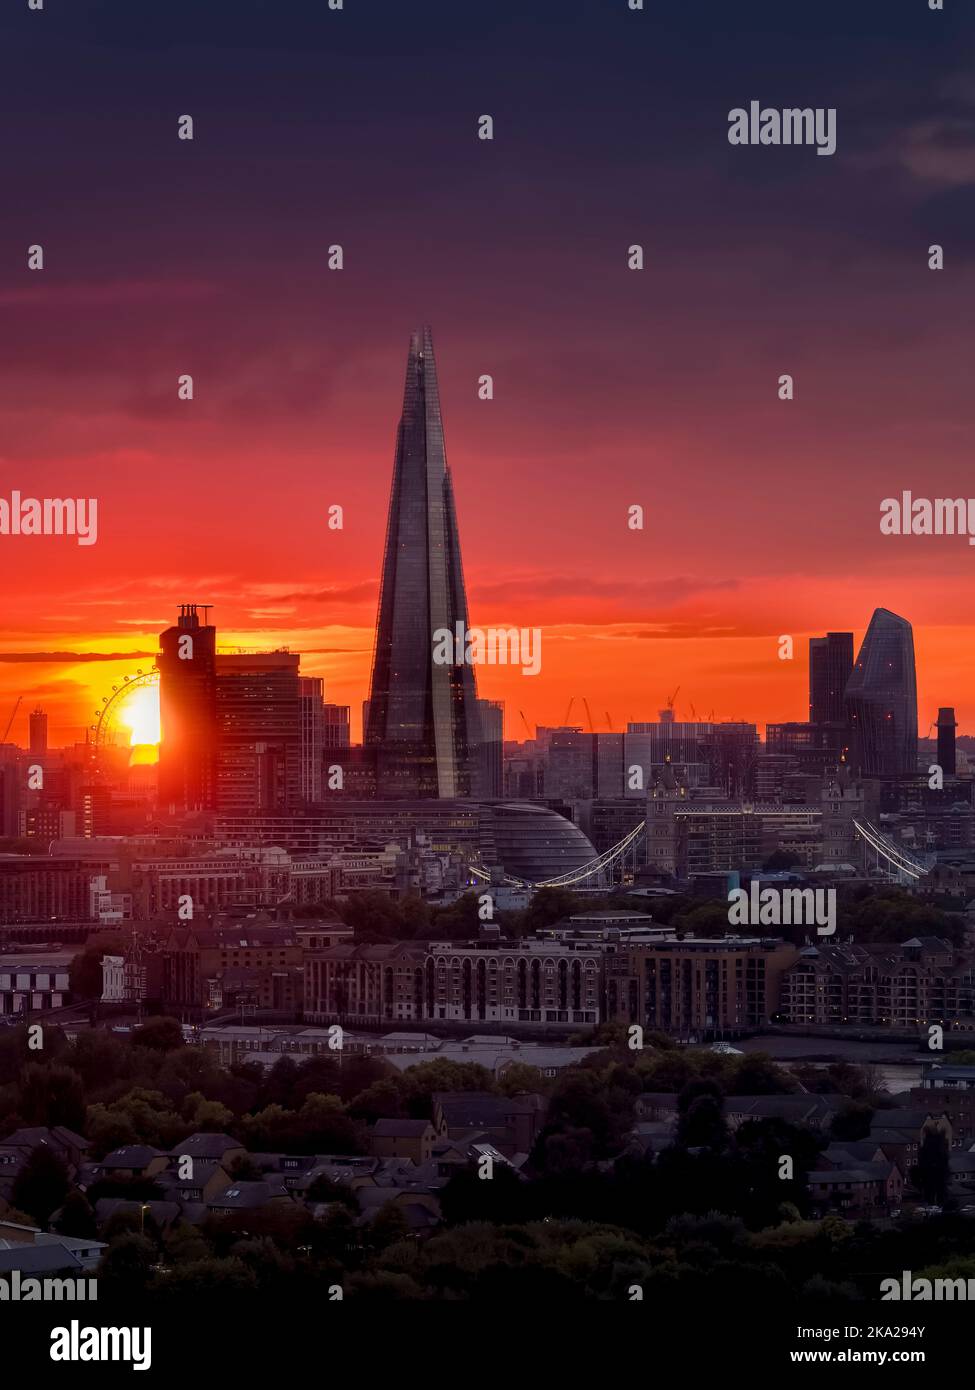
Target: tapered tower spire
(422, 718)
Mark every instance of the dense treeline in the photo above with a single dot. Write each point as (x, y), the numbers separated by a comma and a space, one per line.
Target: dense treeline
(591, 1214)
(868, 913)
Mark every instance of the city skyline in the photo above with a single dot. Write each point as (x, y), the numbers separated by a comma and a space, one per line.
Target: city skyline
(496, 679)
(612, 387)
(141, 717)
(500, 834)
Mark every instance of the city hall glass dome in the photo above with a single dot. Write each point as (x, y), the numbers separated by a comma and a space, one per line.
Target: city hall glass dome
(534, 843)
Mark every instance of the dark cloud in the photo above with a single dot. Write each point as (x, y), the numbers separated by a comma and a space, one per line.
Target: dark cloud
(567, 585)
(75, 656)
(335, 593)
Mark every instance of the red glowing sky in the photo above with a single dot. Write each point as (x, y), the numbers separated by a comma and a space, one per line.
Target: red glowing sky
(612, 387)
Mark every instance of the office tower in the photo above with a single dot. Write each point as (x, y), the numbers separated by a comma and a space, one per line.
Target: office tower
(491, 748)
(649, 745)
(581, 766)
(946, 740)
(259, 745)
(311, 694)
(569, 765)
(881, 700)
(816, 748)
(187, 663)
(830, 664)
(13, 789)
(608, 772)
(337, 726)
(423, 718)
(38, 732)
(731, 749)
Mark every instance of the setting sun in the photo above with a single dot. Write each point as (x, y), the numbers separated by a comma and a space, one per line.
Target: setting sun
(140, 715)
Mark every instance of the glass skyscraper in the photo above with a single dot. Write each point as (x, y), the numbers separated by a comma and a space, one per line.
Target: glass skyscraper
(881, 700)
(423, 725)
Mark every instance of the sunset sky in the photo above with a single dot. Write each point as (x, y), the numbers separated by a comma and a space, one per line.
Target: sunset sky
(612, 387)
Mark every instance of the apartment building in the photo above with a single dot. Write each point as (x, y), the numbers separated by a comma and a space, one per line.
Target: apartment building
(904, 986)
(697, 987)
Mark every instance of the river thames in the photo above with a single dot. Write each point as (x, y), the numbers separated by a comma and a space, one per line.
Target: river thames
(898, 1063)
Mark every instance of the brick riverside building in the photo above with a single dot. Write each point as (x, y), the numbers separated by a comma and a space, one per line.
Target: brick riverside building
(196, 959)
(697, 987)
(898, 986)
(37, 888)
(518, 982)
(951, 1091)
(364, 984)
(229, 878)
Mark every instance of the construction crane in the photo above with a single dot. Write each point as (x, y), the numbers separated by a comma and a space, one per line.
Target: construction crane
(585, 702)
(568, 711)
(526, 724)
(609, 721)
(13, 716)
(672, 698)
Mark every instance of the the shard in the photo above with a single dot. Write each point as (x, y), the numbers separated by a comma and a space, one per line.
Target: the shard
(422, 720)
(881, 700)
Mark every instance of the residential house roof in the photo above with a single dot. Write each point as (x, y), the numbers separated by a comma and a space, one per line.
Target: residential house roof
(131, 1156)
(203, 1145)
(401, 1129)
(39, 1259)
(245, 1196)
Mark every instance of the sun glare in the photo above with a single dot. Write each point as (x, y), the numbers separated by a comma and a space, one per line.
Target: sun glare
(140, 715)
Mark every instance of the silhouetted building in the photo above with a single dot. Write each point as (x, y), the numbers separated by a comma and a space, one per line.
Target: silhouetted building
(13, 789)
(187, 663)
(609, 820)
(336, 726)
(946, 740)
(672, 743)
(311, 693)
(731, 749)
(422, 719)
(881, 700)
(609, 775)
(568, 765)
(816, 748)
(38, 732)
(491, 748)
(259, 760)
(830, 664)
(524, 771)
